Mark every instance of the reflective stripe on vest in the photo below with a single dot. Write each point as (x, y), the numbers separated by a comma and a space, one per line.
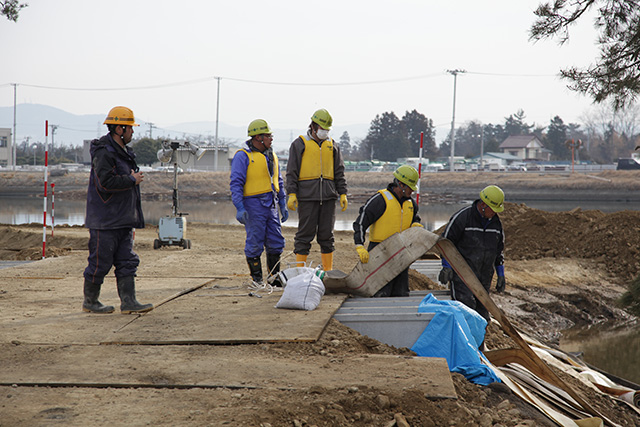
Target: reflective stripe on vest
(317, 161)
(395, 218)
(258, 179)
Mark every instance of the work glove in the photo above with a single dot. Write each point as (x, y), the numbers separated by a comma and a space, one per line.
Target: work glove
(445, 276)
(343, 202)
(417, 224)
(363, 254)
(500, 284)
(292, 204)
(283, 209)
(242, 216)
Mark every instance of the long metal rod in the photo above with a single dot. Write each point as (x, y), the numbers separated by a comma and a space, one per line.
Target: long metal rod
(215, 153)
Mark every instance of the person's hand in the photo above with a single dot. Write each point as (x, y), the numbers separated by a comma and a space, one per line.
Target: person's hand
(445, 276)
(417, 224)
(501, 283)
(283, 209)
(242, 216)
(363, 254)
(343, 202)
(292, 204)
(139, 176)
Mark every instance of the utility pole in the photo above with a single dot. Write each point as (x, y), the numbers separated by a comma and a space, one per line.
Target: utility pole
(151, 126)
(13, 144)
(53, 134)
(453, 120)
(215, 150)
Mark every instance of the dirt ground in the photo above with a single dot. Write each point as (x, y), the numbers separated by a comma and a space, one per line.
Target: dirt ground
(563, 270)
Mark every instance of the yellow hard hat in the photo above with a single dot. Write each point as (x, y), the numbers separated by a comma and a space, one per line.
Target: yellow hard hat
(323, 118)
(493, 196)
(407, 175)
(258, 127)
(120, 116)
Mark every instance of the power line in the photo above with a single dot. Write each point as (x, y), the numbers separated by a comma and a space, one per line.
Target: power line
(207, 79)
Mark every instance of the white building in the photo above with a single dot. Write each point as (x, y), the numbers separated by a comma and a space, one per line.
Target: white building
(525, 147)
(6, 145)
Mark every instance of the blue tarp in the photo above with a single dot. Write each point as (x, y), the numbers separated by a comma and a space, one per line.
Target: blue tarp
(455, 333)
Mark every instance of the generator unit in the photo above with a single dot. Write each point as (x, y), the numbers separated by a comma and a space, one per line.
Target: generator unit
(172, 229)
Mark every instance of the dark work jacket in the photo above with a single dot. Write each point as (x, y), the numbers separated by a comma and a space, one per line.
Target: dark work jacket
(113, 198)
(479, 241)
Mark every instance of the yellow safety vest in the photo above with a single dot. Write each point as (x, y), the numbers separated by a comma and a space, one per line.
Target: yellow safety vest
(258, 179)
(317, 160)
(395, 218)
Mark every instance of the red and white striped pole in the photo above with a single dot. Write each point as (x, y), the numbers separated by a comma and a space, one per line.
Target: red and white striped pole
(53, 195)
(419, 168)
(44, 208)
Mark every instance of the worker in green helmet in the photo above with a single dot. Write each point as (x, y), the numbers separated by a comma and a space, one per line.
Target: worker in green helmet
(315, 182)
(477, 233)
(387, 212)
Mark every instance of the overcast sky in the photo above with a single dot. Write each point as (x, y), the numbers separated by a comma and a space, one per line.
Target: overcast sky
(281, 60)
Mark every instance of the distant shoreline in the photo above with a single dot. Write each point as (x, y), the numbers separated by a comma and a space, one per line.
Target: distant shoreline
(610, 186)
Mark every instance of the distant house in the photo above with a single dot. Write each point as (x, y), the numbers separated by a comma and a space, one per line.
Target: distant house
(499, 159)
(525, 147)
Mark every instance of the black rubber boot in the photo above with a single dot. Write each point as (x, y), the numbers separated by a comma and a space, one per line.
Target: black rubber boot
(91, 295)
(255, 268)
(127, 292)
(273, 265)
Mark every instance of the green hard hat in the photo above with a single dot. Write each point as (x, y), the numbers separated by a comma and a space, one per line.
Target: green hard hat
(322, 118)
(493, 196)
(407, 175)
(258, 127)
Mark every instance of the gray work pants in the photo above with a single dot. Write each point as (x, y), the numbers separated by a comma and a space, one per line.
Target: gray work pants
(315, 219)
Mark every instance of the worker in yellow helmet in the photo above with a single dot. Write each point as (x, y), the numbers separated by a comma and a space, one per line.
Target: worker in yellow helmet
(477, 233)
(387, 212)
(257, 192)
(114, 210)
(315, 182)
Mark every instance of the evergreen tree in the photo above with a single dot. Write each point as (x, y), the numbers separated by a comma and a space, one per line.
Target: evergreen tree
(345, 144)
(515, 125)
(385, 138)
(615, 76)
(556, 138)
(146, 150)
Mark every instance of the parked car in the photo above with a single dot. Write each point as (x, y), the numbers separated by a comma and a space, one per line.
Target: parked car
(627, 164)
(517, 167)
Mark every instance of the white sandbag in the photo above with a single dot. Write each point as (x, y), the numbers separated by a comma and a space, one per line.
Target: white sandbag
(289, 273)
(302, 292)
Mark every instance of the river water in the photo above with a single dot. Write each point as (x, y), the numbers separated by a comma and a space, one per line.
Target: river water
(617, 353)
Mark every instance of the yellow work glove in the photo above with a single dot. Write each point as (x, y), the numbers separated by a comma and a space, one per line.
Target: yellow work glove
(292, 203)
(417, 224)
(343, 202)
(363, 254)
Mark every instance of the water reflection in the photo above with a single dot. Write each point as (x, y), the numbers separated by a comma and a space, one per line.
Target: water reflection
(616, 353)
(27, 210)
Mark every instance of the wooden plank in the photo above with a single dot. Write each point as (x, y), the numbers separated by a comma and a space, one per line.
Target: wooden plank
(227, 320)
(217, 366)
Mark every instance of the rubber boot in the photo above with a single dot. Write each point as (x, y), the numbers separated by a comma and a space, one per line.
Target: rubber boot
(255, 268)
(327, 261)
(127, 292)
(91, 295)
(273, 265)
(301, 260)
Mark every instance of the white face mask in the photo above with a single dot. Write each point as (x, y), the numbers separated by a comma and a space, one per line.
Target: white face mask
(322, 134)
